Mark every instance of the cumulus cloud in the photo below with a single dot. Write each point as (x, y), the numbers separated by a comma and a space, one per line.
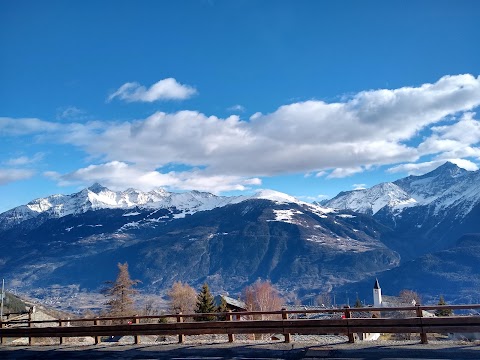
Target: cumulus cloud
(371, 128)
(166, 89)
(11, 175)
(119, 175)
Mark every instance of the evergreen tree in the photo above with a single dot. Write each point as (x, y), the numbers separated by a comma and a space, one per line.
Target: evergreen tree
(358, 303)
(205, 304)
(120, 293)
(443, 312)
(222, 308)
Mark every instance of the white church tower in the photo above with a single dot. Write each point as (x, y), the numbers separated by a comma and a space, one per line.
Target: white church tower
(377, 294)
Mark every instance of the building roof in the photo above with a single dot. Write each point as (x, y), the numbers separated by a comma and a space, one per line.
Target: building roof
(231, 301)
(376, 285)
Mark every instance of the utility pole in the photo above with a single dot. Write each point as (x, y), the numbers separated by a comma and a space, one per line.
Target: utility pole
(3, 296)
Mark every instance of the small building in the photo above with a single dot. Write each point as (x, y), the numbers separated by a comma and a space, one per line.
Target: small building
(232, 304)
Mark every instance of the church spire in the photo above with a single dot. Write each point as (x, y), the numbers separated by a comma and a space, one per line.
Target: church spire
(377, 294)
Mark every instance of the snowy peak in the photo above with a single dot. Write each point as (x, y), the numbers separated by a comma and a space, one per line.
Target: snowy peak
(443, 188)
(98, 197)
(275, 196)
(97, 188)
(433, 183)
(370, 201)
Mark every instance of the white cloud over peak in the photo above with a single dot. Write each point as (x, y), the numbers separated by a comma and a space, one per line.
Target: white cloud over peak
(425, 167)
(345, 172)
(166, 89)
(119, 175)
(359, 186)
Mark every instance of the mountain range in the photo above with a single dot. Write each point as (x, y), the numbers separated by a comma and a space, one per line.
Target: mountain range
(428, 212)
(65, 245)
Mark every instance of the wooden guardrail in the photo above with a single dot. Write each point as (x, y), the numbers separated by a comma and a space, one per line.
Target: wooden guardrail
(252, 323)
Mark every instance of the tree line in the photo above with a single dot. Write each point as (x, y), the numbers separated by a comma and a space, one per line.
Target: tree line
(182, 298)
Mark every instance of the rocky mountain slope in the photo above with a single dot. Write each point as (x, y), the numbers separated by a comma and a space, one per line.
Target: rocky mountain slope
(65, 245)
(428, 212)
(453, 273)
(300, 247)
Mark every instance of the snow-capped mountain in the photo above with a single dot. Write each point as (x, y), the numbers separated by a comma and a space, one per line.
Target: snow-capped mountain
(269, 235)
(98, 197)
(370, 201)
(75, 241)
(442, 188)
(433, 209)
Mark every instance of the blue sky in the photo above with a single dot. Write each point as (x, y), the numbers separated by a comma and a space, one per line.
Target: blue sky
(304, 97)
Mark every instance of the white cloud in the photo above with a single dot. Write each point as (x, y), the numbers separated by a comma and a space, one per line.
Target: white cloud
(321, 173)
(344, 172)
(11, 175)
(237, 108)
(119, 175)
(26, 126)
(454, 140)
(371, 128)
(312, 198)
(166, 89)
(70, 113)
(359, 186)
(25, 160)
(424, 167)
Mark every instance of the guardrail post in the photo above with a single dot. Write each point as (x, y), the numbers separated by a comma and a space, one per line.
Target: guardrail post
(348, 315)
(231, 337)
(423, 334)
(30, 315)
(181, 337)
(98, 339)
(285, 317)
(60, 324)
(136, 338)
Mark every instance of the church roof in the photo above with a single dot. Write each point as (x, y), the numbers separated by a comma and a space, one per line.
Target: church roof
(376, 285)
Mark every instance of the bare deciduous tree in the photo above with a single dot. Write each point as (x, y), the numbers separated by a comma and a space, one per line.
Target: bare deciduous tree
(410, 297)
(120, 293)
(324, 299)
(183, 298)
(262, 296)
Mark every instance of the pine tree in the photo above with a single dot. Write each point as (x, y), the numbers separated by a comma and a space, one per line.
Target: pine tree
(120, 293)
(358, 303)
(205, 304)
(222, 308)
(443, 312)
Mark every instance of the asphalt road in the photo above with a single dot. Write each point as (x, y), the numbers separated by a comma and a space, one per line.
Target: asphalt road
(246, 351)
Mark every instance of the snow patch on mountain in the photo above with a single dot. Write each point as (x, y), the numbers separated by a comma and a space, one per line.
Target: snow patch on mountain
(287, 216)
